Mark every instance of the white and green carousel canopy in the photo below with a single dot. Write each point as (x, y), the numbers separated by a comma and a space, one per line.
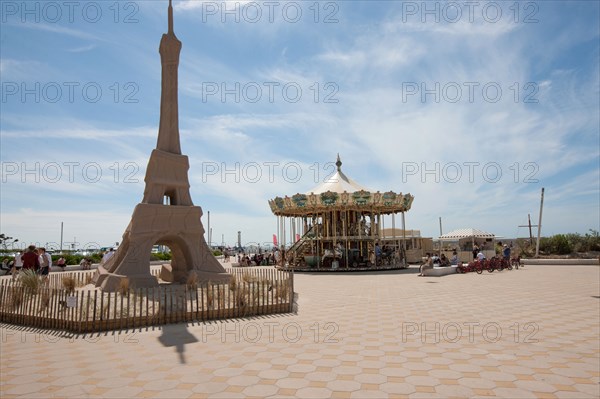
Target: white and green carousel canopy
(340, 192)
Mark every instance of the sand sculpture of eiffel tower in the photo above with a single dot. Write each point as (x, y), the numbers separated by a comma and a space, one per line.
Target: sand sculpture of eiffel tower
(166, 215)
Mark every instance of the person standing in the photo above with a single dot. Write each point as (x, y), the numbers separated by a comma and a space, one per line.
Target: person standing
(30, 258)
(107, 256)
(475, 251)
(17, 264)
(506, 252)
(377, 254)
(45, 261)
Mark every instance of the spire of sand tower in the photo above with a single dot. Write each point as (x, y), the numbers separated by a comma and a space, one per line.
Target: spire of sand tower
(168, 131)
(171, 18)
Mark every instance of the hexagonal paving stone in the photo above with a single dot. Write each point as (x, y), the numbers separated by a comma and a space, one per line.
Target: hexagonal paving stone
(497, 376)
(344, 386)
(210, 387)
(370, 394)
(478, 383)
(301, 368)
(417, 366)
(397, 388)
(243, 380)
(347, 370)
(321, 376)
(536, 386)
(261, 390)
(395, 372)
(571, 372)
(68, 381)
(465, 368)
(454, 391)
(273, 374)
(516, 370)
(257, 366)
(172, 393)
(421, 380)
(370, 378)
(513, 393)
(313, 393)
(292, 383)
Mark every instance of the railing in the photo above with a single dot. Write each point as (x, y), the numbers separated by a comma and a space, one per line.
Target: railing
(65, 302)
(296, 252)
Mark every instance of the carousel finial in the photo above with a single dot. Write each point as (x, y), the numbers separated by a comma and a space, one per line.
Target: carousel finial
(338, 163)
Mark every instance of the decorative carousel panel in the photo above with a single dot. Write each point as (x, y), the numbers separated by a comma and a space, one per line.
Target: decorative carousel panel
(389, 198)
(408, 200)
(377, 198)
(278, 203)
(312, 200)
(300, 200)
(345, 198)
(361, 197)
(287, 201)
(329, 198)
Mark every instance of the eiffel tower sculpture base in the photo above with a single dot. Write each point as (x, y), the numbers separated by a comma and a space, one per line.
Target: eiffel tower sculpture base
(177, 226)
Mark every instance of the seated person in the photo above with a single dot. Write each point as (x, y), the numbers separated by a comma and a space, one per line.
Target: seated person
(480, 256)
(427, 265)
(454, 259)
(435, 260)
(444, 261)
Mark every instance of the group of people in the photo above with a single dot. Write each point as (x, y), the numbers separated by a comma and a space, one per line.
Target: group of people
(433, 260)
(36, 259)
(257, 259)
(438, 261)
(40, 260)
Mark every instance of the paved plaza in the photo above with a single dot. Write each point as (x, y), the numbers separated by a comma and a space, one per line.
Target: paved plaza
(526, 333)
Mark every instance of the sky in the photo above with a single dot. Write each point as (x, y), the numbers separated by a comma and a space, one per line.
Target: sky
(472, 107)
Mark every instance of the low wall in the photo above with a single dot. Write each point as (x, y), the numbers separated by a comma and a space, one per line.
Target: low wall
(580, 262)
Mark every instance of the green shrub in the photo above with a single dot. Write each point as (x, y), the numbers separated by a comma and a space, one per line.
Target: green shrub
(557, 244)
(161, 256)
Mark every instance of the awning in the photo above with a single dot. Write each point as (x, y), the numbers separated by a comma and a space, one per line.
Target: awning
(466, 233)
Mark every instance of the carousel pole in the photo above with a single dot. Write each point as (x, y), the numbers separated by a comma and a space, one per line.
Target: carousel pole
(346, 216)
(394, 231)
(403, 239)
(323, 234)
(283, 234)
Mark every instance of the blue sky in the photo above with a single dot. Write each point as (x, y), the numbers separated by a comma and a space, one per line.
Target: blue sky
(470, 108)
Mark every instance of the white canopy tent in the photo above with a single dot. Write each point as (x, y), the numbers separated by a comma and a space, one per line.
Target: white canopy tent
(470, 236)
(466, 233)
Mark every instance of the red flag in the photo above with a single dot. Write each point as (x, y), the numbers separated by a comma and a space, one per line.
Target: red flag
(274, 240)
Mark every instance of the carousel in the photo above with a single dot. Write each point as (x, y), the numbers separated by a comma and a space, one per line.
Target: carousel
(338, 226)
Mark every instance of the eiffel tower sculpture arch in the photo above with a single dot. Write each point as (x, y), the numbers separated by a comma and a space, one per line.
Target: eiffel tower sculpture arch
(166, 215)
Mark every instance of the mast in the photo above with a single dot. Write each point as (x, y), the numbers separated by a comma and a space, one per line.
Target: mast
(537, 245)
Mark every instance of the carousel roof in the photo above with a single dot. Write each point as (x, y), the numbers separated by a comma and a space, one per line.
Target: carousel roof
(340, 192)
(338, 183)
(465, 233)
